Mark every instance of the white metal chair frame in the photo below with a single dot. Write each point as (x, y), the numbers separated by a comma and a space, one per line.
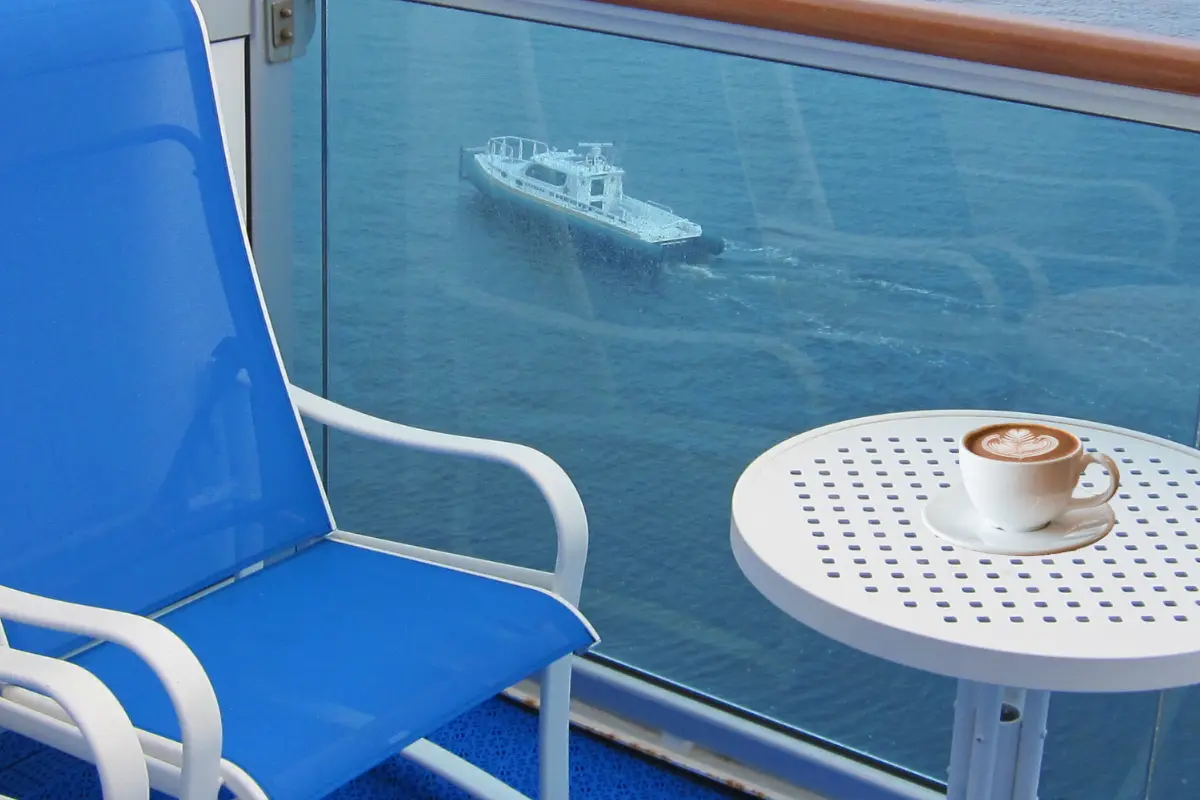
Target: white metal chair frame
(64, 706)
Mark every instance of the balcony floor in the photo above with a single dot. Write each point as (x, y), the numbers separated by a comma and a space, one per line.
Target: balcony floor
(500, 736)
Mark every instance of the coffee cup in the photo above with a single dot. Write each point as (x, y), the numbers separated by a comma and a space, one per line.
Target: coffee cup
(1021, 475)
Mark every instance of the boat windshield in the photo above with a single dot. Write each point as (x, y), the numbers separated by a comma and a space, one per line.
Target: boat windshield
(540, 172)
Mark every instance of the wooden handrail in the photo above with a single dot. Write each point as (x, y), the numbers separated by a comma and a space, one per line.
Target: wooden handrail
(1077, 51)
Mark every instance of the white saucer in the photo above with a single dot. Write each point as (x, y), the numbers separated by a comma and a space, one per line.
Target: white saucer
(950, 515)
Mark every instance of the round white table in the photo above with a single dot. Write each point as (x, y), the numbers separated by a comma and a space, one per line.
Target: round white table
(827, 526)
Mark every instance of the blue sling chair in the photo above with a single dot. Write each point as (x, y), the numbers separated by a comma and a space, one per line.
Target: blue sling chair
(178, 605)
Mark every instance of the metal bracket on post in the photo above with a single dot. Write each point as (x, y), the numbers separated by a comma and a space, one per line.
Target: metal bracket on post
(291, 24)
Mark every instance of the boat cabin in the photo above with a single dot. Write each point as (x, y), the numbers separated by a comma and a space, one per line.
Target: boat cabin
(589, 179)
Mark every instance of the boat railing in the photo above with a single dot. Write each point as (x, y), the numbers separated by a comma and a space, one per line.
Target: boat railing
(658, 206)
(516, 147)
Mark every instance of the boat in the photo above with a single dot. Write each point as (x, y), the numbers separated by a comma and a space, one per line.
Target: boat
(585, 192)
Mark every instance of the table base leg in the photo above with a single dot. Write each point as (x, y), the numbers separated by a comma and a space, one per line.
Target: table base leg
(996, 751)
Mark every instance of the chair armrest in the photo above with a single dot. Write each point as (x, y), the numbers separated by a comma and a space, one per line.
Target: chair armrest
(94, 710)
(176, 666)
(570, 520)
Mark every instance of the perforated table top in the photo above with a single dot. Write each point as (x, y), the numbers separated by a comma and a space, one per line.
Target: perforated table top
(827, 525)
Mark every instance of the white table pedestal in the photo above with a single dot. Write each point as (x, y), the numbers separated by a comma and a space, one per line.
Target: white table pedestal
(996, 750)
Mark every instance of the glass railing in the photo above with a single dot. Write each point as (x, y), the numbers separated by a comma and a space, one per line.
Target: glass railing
(886, 247)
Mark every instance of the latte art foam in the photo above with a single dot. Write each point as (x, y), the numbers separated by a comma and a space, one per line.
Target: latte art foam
(1021, 442)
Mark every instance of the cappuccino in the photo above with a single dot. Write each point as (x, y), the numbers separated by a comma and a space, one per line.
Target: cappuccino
(1021, 475)
(1021, 442)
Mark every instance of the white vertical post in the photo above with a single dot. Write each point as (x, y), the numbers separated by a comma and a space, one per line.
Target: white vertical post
(1030, 746)
(960, 743)
(985, 734)
(554, 721)
(1008, 733)
(268, 129)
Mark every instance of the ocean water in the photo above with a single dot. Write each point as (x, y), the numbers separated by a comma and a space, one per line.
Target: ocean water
(1161, 17)
(889, 247)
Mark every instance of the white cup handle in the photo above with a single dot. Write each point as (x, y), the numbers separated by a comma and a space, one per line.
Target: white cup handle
(1114, 480)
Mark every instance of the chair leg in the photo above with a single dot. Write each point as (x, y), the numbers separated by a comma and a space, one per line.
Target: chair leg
(554, 721)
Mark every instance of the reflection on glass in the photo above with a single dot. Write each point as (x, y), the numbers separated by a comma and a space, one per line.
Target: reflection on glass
(886, 247)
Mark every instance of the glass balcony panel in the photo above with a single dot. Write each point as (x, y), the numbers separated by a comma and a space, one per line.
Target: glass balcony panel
(1174, 769)
(888, 247)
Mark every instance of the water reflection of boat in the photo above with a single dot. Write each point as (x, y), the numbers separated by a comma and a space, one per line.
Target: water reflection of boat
(585, 192)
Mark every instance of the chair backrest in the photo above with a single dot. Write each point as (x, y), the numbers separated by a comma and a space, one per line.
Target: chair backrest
(148, 447)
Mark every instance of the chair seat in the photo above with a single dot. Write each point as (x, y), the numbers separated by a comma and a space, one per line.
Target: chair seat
(330, 661)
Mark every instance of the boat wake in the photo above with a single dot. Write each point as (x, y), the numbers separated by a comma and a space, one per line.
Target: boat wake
(782, 267)
(696, 272)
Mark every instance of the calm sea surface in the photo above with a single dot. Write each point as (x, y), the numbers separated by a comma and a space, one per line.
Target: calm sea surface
(1163, 17)
(889, 247)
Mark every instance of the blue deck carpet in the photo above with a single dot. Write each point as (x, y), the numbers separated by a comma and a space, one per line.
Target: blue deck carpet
(500, 736)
